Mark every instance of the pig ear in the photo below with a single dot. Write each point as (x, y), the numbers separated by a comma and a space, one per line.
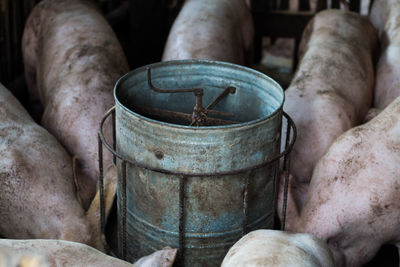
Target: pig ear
(93, 213)
(292, 213)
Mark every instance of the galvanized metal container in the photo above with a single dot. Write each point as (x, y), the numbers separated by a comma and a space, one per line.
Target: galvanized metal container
(210, 210)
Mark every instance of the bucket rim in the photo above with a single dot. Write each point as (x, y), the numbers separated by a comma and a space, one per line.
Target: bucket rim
(199, 62)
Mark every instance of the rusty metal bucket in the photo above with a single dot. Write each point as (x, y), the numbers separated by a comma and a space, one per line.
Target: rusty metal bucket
(197, 188)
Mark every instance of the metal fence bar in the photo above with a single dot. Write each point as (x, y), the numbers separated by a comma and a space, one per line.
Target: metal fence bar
(246, 202)
(101, 187)
(182, 183)
(124, 230)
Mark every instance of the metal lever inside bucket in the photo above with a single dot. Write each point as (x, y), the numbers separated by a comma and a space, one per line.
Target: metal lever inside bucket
(199, 115)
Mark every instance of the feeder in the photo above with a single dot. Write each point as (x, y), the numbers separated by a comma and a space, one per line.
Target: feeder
(197, 149)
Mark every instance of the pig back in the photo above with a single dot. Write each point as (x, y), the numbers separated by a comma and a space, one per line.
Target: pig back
(37, 193)
(337, 48)
(215, 30)
(77, 61)
(332, 87)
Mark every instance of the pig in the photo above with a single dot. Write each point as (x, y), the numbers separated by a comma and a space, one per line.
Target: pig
(353, 202)
(58, 253)
(385, 15)
(212, 29)
(38, 196)
(331, 91)
(277, 248)
(37, 191)
(72, 60)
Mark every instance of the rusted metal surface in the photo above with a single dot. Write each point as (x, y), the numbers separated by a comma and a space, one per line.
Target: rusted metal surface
(199, 174)
(191, 194)
(123, 234)
(286, 168)
(122, 206)
(155, 112)
(101, 186)
(182, 180)
(245, 202)
(229, 90)
(199, 115)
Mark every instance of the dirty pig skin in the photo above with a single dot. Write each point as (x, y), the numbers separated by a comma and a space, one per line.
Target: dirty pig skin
(272, 248)
(354, 197)
(212, 29)
(332, 88)
(72, 60)
(37, 190)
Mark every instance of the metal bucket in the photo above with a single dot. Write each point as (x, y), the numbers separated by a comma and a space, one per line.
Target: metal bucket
(195, 188)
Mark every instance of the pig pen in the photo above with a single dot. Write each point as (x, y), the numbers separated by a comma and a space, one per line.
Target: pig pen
(273, 20)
